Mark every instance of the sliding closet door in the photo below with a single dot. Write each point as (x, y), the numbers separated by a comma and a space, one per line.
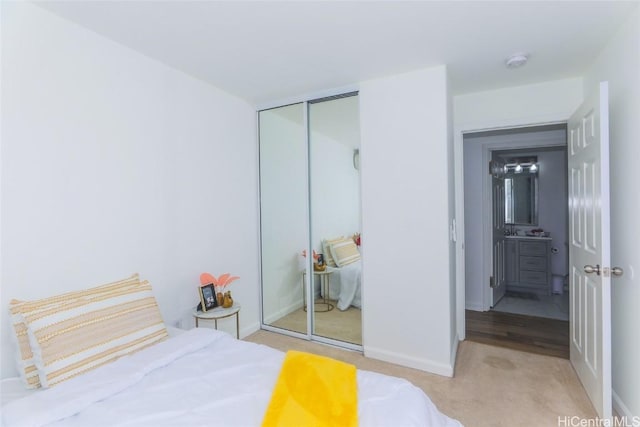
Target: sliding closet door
(284, 216)
(309, 203)
(334, 182)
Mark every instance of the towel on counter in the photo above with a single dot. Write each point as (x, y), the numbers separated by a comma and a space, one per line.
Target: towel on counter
(313, 390)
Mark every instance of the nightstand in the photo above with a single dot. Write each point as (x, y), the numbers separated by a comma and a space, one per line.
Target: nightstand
(220, 313)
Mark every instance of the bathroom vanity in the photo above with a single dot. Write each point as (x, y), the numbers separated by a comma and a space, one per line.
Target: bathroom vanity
(528, 264)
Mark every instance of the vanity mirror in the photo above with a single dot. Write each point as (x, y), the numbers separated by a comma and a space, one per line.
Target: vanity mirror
(521, 191)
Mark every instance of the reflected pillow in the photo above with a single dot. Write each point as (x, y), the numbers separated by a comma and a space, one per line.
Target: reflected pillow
(345, 252)
(326, 247)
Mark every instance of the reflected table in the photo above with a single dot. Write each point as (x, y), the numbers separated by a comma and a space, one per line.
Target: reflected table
(323, 302)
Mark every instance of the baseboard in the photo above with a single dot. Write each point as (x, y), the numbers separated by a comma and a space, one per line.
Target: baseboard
(474, 306)
(296, 305)
(619, 406)
(249, 329)
(410, 362)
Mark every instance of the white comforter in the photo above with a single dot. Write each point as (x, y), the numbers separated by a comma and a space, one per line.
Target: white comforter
(346, 283)
(202, 377)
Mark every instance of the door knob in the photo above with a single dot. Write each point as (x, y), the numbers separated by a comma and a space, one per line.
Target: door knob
(591, 269)
(617, 271)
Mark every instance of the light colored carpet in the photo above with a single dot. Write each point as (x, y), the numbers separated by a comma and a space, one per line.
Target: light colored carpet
(492, 386)
(340, 325)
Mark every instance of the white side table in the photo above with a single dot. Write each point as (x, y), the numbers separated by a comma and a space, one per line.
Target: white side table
(220, 313)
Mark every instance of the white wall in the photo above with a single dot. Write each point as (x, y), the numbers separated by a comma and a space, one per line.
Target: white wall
(335, 190)
(113, 163)
(619, 63)
(455, 298)
(546, 102)
(405, 200)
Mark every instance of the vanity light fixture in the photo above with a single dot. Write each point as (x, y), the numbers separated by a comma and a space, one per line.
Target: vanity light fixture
(521, 165)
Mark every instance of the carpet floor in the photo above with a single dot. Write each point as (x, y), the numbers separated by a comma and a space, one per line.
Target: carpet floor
(492, 386)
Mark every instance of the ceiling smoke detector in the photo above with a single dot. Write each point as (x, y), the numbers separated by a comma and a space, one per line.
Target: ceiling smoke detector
(516, 60)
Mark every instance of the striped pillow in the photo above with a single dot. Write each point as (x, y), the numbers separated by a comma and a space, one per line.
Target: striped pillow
(71, 339)
(326, 247)
(17, 309)
(345, 252)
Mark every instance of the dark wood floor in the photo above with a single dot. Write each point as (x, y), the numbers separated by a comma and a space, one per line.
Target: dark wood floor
(526, 333)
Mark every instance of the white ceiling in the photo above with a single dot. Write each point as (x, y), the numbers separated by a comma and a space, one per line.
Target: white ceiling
(266, 51)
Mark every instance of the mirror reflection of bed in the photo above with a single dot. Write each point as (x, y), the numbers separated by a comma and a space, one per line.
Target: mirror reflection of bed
(344, 285)
(342, 321)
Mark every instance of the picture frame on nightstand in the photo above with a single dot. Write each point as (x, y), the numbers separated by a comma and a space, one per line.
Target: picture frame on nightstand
(208, 300)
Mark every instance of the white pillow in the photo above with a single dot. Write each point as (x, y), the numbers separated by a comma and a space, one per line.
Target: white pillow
(326, 247)
(98, 328)
(345, 252)
(17, 309)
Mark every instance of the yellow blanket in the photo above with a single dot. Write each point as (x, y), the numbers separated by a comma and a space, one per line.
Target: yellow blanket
(313, 391)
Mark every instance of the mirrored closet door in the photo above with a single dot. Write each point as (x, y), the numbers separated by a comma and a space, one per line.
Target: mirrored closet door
(310, 219)
(283, 215)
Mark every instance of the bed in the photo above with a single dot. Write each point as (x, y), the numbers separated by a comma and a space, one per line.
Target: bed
(345, 285)
(344, 262)
(186, 378)
(202, 377)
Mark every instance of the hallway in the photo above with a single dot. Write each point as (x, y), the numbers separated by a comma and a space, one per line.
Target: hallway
(519, 332)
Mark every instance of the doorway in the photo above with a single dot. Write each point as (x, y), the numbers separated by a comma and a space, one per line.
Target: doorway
(523, 253)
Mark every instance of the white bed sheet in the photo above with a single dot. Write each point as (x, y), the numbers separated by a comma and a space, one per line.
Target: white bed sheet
(345, 283)
(202, 377)
(12, 389)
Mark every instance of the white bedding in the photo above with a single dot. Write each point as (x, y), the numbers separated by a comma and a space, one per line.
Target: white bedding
(202, 377)
(345, 283)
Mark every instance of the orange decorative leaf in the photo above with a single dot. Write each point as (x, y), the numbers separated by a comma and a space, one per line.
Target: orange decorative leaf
(231, 279)
(206, 278)
(222, 280)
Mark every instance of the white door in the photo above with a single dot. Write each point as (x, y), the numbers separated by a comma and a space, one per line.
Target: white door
(589, 248)
(498, 230)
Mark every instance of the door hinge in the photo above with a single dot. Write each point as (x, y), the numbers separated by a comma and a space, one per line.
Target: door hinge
(492, 283)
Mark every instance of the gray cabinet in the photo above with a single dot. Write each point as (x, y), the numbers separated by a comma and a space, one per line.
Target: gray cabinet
(528, 264)
(511, 261)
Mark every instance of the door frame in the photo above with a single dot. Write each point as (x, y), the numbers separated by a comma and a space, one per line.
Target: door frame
(458, 229)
